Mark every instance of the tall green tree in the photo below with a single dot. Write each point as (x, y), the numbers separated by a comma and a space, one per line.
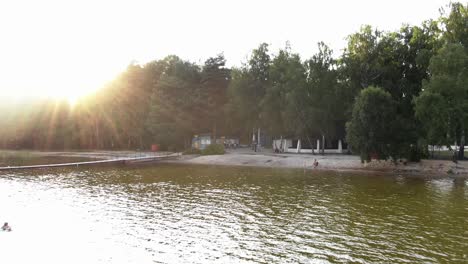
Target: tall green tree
(455, 21)
(259, 69)
(398, 63)
(323, 96)
(214, 83)
(241, 104)
(443, 105)
(176, 104)
(246, 91)
(370, 130)
(278, 109)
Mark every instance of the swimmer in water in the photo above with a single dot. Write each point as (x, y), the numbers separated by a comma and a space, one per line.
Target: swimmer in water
(6, 227)
(315, 163)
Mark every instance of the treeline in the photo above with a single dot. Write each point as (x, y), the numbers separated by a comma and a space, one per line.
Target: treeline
(394, 92)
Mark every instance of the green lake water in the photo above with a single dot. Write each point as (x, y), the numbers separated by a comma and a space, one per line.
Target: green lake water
(206, 214)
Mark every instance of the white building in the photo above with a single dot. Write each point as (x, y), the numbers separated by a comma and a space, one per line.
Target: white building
(291, 146)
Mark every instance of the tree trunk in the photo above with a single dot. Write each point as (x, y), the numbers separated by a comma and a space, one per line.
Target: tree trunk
(461, 150)
(323, 144)
(258, 138)
(214, 132)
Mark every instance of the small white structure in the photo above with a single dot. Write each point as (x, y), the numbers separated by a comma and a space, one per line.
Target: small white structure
(282, 145)
(286, 146)
(444, 148)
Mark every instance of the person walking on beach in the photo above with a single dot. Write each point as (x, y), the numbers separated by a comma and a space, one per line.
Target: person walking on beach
(315, 163)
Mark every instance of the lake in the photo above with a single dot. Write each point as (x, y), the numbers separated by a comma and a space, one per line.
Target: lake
(205, 214)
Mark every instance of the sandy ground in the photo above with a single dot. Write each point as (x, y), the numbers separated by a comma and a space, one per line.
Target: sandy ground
(265, 158)
(334, 162)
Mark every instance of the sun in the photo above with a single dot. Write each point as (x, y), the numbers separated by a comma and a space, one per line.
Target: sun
(70, 93)
(71, 96)
(72, 100)
(68, 82)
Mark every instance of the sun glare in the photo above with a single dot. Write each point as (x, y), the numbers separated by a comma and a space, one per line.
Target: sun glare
(69, 83)
(71, 96)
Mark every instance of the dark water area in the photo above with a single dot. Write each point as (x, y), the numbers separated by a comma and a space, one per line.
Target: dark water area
(206, 214)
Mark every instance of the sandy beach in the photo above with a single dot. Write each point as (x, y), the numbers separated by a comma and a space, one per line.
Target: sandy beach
(265, 158)
(330, 162)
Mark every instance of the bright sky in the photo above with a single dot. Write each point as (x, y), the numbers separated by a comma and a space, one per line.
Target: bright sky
(68, 48)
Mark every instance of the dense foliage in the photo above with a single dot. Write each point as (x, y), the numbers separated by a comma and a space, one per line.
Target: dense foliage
(420, 72)
(213, 149)
(371, 127)
(443, 105)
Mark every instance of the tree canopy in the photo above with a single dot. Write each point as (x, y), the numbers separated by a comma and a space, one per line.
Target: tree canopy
(443, 105)
(370, 131)
(395, 89)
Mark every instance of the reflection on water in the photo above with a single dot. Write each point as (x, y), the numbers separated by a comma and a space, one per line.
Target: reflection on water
(201, 214)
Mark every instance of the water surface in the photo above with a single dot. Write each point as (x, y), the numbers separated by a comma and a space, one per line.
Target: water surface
(205, 214)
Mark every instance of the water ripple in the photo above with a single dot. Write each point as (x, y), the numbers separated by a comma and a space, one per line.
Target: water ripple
(168, 214)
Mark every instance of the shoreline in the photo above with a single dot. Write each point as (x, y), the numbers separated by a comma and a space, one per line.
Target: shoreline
(266, 159)
(329, 162)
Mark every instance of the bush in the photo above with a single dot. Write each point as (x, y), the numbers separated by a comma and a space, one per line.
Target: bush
(213, 149)
(369, 133)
